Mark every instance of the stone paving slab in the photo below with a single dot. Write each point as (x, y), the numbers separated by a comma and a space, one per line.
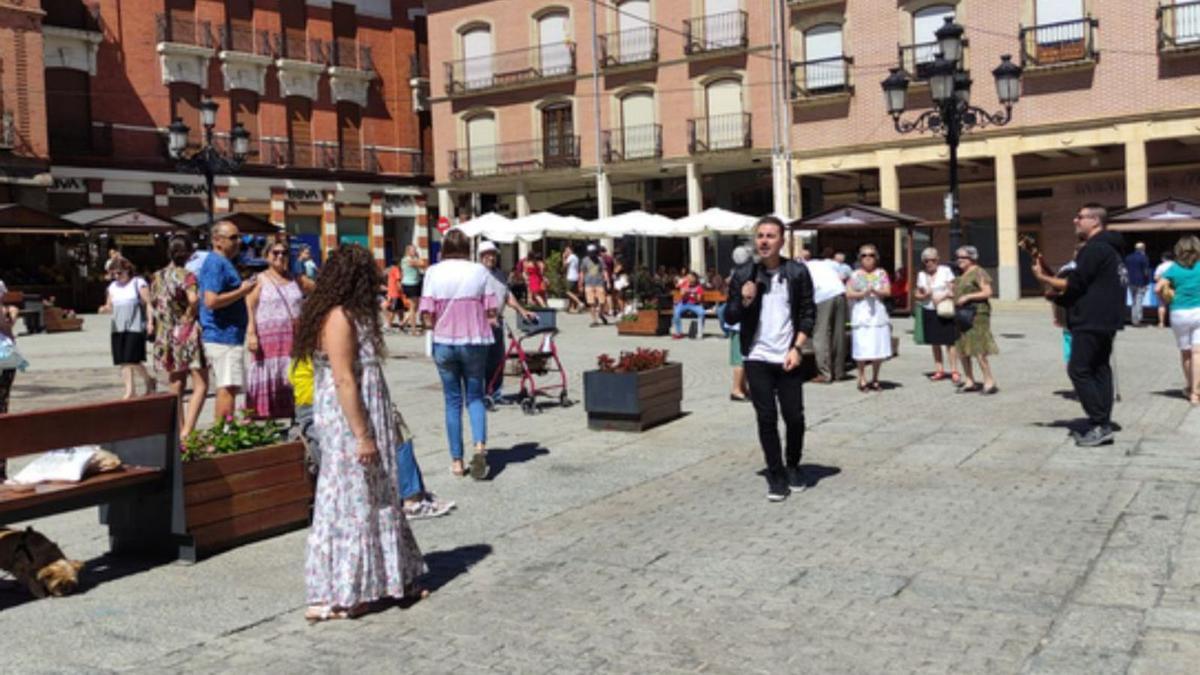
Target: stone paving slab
(947, 533)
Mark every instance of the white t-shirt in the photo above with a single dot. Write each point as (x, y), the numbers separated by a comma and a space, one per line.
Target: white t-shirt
(1162, 267)
(128, 293)
(774, 337)
(573, 268)
(827, 283)
(943, 280)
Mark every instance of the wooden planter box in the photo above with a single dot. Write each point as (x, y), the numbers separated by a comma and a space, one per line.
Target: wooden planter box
(233, 499)
(648, 322)
(632, 401)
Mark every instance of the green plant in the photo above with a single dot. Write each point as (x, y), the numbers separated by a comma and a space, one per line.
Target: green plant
(556, 281)
(232, 435)
(646, 289)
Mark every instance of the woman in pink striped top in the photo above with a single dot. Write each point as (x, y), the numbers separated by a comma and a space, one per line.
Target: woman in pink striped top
(456, 304)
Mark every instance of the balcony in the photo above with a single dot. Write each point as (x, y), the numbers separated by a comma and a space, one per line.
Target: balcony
(245, 40)
(719, 132)
(183, 30)
(298, 48)
(512, 159)
(643, 141)
(1179, 27)
(512, 69)
(245, 56)
(916, 59)
(1061, 44)
(715, 33)
(184, 48)
(821, 77)
(637, 46)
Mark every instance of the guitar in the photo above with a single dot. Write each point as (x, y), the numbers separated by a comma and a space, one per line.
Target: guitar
(1029, 245)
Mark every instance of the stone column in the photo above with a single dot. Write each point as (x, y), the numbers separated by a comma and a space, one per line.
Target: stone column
(889, 198)
(604, 205)
(375, 228)
(695, 198)
(421, 231)
(446, 204)
(1009, 271)
(329, 230)
(522, 211)
(1137, 174)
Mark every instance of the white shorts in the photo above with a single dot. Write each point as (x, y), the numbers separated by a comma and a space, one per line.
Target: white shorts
(227, 363)
(1186, 324)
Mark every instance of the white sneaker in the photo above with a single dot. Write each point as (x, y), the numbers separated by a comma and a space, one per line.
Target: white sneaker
(431, 507)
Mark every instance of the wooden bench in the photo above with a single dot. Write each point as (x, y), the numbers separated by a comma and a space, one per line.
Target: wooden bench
(137, 502)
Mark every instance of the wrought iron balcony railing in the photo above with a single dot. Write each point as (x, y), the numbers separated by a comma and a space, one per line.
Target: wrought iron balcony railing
(1179, 26)
(628, 47)
(504, 69)
(182, 29)
(299, 48)
(345, 54)
(1064, 42)
(246, 40)
(642, 141)
(821, 76)
(715, 32)
(509, 159)
(916, 59)
(719, 132)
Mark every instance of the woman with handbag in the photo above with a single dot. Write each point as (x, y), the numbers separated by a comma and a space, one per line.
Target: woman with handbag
(273, 308)
(129, 301)
(972, 290)
(178, 351)
(935, 290)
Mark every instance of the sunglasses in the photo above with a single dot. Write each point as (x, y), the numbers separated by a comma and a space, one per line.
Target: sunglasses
(866, 255)
(277, 254)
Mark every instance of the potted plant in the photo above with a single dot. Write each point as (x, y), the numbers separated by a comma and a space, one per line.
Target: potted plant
(242, 480)
(653, 315)
(556, 282)
(633, 392)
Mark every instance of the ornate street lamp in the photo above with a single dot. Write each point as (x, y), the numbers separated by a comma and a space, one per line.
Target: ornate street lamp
(952, 112)
(208, 160)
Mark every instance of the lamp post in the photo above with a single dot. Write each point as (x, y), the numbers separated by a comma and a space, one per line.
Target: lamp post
(952, 112)
(208, 160)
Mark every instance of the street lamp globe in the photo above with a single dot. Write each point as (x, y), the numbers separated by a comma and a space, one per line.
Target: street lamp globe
(941, 78)
(950, 40)
(241, 141)
(962, 87)
(208, 113)
(177, 138)
(895, 91)
(1008, 80)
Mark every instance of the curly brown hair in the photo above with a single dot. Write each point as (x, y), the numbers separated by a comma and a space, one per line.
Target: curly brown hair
(350, 280)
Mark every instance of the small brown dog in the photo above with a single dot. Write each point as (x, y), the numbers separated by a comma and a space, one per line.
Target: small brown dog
(38, 563)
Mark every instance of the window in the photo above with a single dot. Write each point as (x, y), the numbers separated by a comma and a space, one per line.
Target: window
(477, 55)
(181, 21)
(639, 136)
(925, 23)
(299, 115)
(481, 145)
(67, 14)
(635, 38)
(723, 111)
(239, 36)
(68, 111)
(555, 54)
(349, 135)
(723, 25)
(1059, 21)
(345, 44)
(185, 104)
(292, 18)
(558, 136)
(1186, 23)
(824, 68)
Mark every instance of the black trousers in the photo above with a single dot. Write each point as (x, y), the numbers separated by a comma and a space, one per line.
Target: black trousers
(1091, 373)
(768, 383)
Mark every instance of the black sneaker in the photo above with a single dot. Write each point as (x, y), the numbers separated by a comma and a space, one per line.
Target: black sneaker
(795, 479)
(1096, 436)
(777, 487)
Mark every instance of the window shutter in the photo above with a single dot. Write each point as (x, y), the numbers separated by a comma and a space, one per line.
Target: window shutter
(300, 131)
(68, 111)
(350, 135)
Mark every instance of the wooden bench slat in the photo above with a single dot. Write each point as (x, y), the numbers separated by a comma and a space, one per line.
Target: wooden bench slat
(13, 499)
(41, 430)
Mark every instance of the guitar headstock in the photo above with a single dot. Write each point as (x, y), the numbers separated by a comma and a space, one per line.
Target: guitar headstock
(1029, 245)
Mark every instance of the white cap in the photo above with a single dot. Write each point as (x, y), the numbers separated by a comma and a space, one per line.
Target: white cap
(486, 247)
(591, 248)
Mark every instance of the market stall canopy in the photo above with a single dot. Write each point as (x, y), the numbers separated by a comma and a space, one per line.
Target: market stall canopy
(481, 226)
(633, 223)
(859, 216)
(715, 221)
(247, 223)
(21, 219)
(1164, 215)
(120, 221)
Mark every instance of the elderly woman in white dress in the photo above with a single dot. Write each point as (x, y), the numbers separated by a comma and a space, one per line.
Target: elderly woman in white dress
(870, 325)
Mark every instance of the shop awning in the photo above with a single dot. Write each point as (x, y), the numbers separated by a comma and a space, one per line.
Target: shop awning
(247, 223)
(21, 219)
(1164, 215)
(123, 221)
(860, 216)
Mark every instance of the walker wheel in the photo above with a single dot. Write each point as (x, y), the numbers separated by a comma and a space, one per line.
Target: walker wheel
(565, 402)
(529, 406)
(489, 403)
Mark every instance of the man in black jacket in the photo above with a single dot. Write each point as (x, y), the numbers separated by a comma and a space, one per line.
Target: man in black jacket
(1094, 297)
(776, 312)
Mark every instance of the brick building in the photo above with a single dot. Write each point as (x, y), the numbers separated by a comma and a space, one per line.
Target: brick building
(326, 89)
(688, 101)
(24, 154)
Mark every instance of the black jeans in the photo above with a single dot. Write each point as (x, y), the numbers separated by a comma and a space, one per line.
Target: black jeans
(769, 382)
(1091, 373)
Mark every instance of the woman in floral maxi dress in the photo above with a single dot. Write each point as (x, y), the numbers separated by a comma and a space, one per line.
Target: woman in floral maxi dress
(360, 547)
(178, 352)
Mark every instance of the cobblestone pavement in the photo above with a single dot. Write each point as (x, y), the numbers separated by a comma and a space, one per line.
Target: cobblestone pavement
(947, 534)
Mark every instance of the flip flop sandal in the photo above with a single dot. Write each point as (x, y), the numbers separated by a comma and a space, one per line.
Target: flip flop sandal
(970, 389)
(937, 377)
(479, 467)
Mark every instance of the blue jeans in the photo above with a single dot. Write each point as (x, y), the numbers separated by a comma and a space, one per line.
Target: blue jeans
(461, 368)
(408, 474)
(697, 310)
(719, 310)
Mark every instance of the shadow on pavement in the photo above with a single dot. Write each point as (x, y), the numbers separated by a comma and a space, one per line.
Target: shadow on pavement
(815, 473)
(1171, 393)
(1068, 394)
(97, 571)
(445, 566)
(522, 452)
